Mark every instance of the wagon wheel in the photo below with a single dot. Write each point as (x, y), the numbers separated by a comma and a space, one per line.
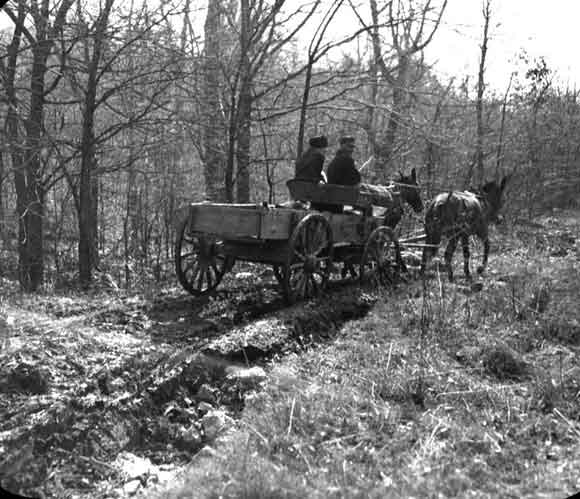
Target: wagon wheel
(310, 259)
(380, 259)
(200, 262)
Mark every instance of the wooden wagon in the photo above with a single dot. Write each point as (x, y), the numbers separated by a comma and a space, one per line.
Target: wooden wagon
(303, 246)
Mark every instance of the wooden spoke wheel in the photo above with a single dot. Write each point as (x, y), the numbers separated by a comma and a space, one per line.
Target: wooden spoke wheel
(306, 272)
(200, 262)
(380, 259)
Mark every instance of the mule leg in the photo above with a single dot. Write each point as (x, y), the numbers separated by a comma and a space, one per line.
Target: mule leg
(465, 246)
(423, 261)
(449, 251)
(481, 268)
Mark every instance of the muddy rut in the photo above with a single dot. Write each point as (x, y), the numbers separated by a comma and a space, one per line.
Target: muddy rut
(85, 383)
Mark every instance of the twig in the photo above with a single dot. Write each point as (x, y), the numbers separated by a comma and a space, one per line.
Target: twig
(481, 390)
(568, 422)
(344, 437)
(291, 416)
(262, 437)
(389, 358)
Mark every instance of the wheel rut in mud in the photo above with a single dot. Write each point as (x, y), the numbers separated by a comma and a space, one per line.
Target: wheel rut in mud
(158, 379)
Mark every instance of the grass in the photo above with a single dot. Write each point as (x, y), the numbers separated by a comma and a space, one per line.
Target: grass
(439, 392)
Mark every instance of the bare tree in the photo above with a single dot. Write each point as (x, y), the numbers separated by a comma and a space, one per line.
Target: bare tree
(245, 103)
(314, 54)
(8, 74)
(410, 34)
(214, 130)
(432, 148)
(28, 175)
(499, 152)
(480, 90)
(88, 182)
(260, 41)
(540, 79)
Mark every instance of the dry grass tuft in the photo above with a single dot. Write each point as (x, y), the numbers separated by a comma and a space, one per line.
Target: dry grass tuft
(503, 363)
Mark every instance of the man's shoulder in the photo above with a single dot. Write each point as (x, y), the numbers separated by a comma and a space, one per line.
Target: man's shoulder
(310, 153)
(340, 159)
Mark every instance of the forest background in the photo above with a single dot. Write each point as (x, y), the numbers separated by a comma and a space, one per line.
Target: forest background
(117, 114)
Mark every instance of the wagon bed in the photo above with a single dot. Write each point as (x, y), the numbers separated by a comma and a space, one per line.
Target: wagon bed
(301, 245)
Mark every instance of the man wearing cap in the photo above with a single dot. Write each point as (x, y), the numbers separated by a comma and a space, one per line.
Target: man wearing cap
(341, 169)
(309, 165)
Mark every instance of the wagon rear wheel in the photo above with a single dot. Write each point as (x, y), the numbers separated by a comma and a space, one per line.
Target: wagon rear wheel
(200, 262)
(306, 272)
(379, 263)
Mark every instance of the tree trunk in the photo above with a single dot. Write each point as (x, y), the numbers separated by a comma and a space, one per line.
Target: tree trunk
(303, 107)
(28, 181)
(230, 160)
(130, 225)
(88, 209)
(479, 101)
(14, 139)
(2, 211)
(244, 110)
(499, 153)
(371, 117)
(214, 163)
(386, 148)
(31, 258)
(88, 183)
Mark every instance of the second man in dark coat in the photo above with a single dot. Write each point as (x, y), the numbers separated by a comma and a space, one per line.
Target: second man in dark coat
(341, 169)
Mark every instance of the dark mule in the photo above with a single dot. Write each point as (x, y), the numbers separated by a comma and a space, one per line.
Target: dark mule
(408, 189)
(457, 215)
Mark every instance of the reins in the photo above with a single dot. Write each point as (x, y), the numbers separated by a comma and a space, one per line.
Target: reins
(411, 186)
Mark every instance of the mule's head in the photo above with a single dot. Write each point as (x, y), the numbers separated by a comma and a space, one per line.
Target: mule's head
(493, 193)
(409, 190)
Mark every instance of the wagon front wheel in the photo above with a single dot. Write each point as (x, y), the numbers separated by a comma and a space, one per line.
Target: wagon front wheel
(200, 262)
(379, 263)
(309, 262)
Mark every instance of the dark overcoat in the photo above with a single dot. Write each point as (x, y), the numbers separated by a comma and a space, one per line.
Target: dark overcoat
(341, 170)
(309, 166)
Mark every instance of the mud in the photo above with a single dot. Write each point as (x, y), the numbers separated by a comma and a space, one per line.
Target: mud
(80, 384)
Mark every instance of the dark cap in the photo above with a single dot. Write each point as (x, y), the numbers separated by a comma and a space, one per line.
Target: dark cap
(321, 141)
(347, 141)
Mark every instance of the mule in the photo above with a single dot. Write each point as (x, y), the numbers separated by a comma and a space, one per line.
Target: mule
(409, 192)
(457, 215)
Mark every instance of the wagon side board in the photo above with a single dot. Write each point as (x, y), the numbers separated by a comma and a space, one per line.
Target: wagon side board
(247, 221)
(258, 223)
